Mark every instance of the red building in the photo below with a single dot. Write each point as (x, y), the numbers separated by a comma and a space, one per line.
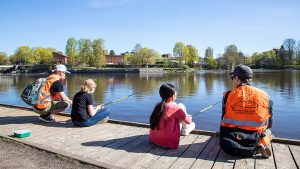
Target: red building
(114, 59)
(60, 58)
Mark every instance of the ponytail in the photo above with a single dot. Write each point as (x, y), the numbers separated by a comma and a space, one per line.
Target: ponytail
(156, 115)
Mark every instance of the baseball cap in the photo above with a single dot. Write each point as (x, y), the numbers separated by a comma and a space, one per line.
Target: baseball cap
(242, 71)
(61, 68)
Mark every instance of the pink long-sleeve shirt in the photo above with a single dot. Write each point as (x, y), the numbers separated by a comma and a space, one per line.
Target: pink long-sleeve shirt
(168, 134)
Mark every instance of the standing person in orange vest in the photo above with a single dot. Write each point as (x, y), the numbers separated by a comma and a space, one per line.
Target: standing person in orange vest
(246, 118)
(52, 98)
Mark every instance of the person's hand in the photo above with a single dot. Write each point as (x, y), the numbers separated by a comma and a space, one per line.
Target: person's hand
(190, 116)
(101, 106)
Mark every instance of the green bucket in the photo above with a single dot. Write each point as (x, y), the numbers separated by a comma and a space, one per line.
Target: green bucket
(22, 133)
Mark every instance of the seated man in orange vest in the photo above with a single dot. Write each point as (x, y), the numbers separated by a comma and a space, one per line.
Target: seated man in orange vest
(246, 118)
(52, 98)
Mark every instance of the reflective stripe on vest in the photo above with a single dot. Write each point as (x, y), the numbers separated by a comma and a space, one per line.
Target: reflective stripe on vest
(245, 123)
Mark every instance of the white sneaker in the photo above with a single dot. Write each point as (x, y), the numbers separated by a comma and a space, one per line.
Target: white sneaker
(188, 130)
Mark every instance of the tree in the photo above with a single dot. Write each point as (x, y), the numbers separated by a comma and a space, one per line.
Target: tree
(193, 56)
(111, 52)
(137, 47)
(71, 51)
(267, 59)
(146, 56)
(178, 51)
(282, 54)
(231, 56)
(211, 63)
(22, 55)
(209, 52)
(99, 52)
(298, 53)
(85, 51)
(43, 55)
(289, 45)
(3, 58)
(129, 59)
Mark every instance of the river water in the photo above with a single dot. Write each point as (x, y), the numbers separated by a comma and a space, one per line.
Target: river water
(195, 90)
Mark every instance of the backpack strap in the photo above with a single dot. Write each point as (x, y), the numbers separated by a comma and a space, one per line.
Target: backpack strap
(224, 103)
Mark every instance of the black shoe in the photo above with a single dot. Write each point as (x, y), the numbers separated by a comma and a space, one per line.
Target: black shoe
(47, 118)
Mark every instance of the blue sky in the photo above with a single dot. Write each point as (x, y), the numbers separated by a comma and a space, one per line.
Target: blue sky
(256, 25)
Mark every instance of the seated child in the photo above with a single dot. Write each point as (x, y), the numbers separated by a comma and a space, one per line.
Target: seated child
(83, 113)
(168, 119)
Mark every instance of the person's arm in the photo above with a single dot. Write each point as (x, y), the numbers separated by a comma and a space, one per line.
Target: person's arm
(184, 117)
(64, 97)
(92, 111)
(271, 113)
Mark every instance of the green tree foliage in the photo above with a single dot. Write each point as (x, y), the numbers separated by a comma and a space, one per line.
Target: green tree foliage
(85, 51)
(128, 58)
(3, 58)
(22, 56)
(71, 51)
(179, 51)
(267, 59)
(43, 55)
(231, 56)
(211, 63)
(98, 57)
(145, 56)
(209, 52)
(193, 55)
(111, 52)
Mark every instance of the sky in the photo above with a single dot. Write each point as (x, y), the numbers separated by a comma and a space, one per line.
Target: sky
(253, 26)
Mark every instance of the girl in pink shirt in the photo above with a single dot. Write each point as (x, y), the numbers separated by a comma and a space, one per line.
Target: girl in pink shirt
(168, 119)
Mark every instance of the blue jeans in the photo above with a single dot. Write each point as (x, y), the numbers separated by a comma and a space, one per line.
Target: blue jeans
(100, 115)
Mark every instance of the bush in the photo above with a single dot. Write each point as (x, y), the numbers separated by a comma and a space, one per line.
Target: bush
(185, 67)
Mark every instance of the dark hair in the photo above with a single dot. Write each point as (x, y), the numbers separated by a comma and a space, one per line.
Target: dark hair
(165, 91)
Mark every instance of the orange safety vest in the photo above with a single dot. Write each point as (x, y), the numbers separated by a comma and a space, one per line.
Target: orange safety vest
(247, 108)
(45, 96)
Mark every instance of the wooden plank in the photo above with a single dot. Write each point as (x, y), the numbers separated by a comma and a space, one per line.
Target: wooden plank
(114, 142)
(75, 142)
(168, 158)
(296, 154)
(123, 150)
(224, 161)
(189, 156)
(244, 163)
(132, 156)
(210, 160)
(207, 154)
(283, 157)
(262, 163)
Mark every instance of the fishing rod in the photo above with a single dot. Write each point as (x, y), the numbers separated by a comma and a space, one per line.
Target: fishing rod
(203, 110)
(119, 99)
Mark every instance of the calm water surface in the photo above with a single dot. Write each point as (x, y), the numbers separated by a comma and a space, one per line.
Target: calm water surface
(196, 91)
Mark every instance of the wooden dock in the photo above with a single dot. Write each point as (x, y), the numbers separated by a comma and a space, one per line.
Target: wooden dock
(112, 145)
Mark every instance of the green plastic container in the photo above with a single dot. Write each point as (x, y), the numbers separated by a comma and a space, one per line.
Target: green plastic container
(22, 133)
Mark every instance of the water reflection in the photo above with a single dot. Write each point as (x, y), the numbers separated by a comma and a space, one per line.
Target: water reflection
(196, 91)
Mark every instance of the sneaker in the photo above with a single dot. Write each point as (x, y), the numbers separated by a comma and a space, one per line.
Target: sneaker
(266, 152)
(188, 130)
(47, 118)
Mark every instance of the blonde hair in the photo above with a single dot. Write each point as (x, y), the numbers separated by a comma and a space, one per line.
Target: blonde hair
(89, 84)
